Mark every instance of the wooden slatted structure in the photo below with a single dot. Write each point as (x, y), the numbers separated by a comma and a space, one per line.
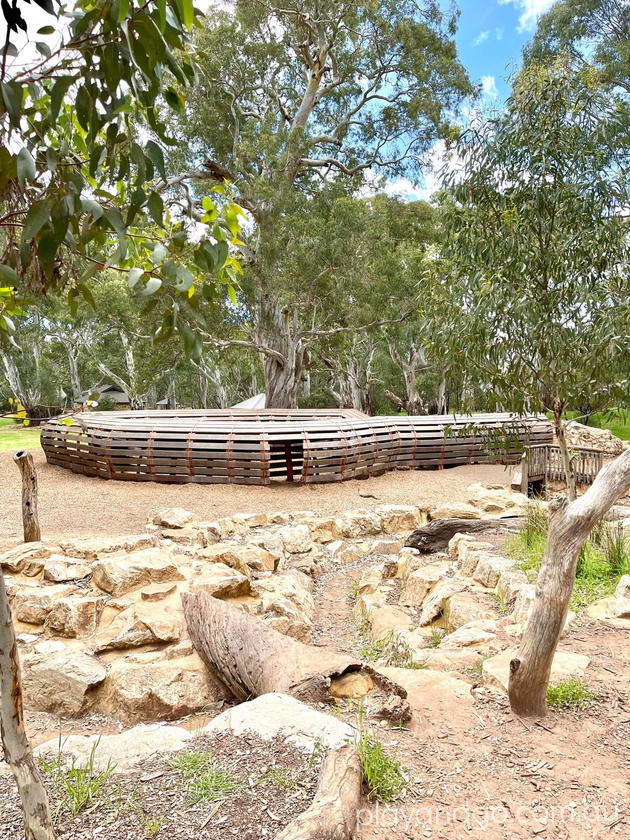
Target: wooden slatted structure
(544, 463)
(255, 447)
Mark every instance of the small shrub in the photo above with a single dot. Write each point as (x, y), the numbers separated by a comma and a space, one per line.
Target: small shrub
(382, 775)
(205, 780)
(435, 638)
(391, 649)
(616, 549)
(570, 694)
(77, 786)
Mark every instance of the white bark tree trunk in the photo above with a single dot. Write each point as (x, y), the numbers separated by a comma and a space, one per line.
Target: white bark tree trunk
(281, 350)
(569, 526)
(410, 367)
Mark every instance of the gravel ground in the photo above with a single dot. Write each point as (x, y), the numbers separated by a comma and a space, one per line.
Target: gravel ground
(75, 505)
(274, 782)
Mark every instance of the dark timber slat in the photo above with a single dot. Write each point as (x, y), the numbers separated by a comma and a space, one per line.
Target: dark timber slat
(253, 447)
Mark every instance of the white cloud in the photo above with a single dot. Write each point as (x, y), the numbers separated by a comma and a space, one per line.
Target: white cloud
(498, 33)
(483, 36)
(489, 87)
(531, 11)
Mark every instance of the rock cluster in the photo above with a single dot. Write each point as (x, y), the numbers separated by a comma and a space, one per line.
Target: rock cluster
(578, 434)
(100, 622)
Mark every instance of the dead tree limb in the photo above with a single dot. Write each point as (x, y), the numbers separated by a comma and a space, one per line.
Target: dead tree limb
(30, 518)
(437, 534)
(251, 658)
(17, 750)
(569, 526)
(333, 813)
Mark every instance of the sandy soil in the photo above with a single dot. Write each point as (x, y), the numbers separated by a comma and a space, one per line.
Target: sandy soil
(74, 505)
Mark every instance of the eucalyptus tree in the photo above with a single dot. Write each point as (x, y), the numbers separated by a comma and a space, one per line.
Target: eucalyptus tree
(295, 96)
(536, 229)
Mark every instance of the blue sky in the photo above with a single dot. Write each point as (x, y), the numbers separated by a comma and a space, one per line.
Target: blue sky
(490, 38)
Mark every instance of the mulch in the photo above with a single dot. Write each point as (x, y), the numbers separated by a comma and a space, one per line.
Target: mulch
(276, 782)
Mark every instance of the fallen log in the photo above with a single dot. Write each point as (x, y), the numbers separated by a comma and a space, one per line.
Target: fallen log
(437, 534)
(30, 518)
(250, 658)
(333, 812)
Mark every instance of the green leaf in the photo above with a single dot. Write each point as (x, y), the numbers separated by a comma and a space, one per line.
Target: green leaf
(37, 216)
(232, 294)
(133, 276)
(156, 156)
(155, 206)
(123, 10)
(84, 105)
(12, 96)
(43, 48)
(57, 94)
(46, 30)
(26, 169)
(51, 158)
(152, 285)
(184, 279)
(174, 99)
(7, 274)
(88, 297)
(192, 342)
(186, 12)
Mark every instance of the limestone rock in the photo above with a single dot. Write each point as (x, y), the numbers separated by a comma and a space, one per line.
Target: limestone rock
(325, 530)
(565, 665)
(434, 604)
(221, 581)
(433, 695)
(580, 435)
(458, 540)
(119, 575)
(279, 715)
(490, 568)
(241, 557)
(524, 602)
(467, 607)
(370, 580)
(14, 560)
(399, 519)
(419, 583)
(120, 751)
(184, 536)
(353, 684)
(33, 603)
(494, 501)
(623, 587)
(89, 548)
(296, 539)
(469, 554)
(58, 569)
(157, 591)
(62, 681)
(286, 602)
(252, 520)
(510, 584)
(386, 546)
(346, 553)
(478, 632)
(159, 690)
(359, 523)
(387, 619)
(455, 510)
(142, 624)
(454, 659)
(75, 617)
(174, 517)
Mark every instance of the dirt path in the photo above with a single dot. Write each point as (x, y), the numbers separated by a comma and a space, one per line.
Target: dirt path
(74, 505)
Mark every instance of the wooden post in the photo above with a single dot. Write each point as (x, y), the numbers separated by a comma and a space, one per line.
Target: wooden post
(288, 456)
(17, 750)
(524, 473)
(30, 519)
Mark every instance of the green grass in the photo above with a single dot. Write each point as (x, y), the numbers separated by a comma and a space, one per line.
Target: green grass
(383, 776)
(570, 694)
(15, 436)
(77, 786)
(391, 649)
(205, 780)
(604, 558)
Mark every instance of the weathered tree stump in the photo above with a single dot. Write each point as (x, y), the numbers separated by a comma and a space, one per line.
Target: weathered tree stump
(30, 518)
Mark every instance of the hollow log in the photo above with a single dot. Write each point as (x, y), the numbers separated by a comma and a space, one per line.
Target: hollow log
(569, 526)
(333, 813)
(437, 534)
(30, 518)
(17, 750)
(250, 658)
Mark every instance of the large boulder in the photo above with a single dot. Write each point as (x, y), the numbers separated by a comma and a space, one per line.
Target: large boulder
(119, 575)
(359, 523)
(61, 681)
(490, 568)
(221, 581)
(455, 510)
(480, 632)
(75, 616)
(120, 751)
(89, 548)
(497, 500)
(152, 688)
(141, 624)
(15, 559)
(418, 584)
(279, 715)
(241, 557)
(467, 607)
(347, 553)
(174, 517)
(437, 600)
(399, 519)
(59, 569)
(31, 604)
(286, 602)
(387, 620)
(296, 539)
(578, 434)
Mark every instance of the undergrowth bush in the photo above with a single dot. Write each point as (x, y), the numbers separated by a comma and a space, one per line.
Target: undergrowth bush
(604, 558)
(383, 776)
(570, 694)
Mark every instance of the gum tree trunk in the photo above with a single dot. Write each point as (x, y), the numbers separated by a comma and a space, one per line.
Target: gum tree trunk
(567, 461)
(17, 750)
(569, 526)
(281, 351)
